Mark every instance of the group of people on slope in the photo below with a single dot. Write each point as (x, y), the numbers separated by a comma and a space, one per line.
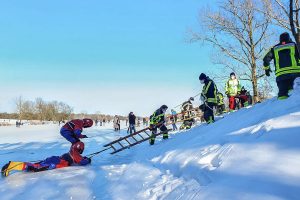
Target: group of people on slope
(287, 69)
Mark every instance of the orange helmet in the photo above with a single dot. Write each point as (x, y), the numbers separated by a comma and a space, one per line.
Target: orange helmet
(87, 122)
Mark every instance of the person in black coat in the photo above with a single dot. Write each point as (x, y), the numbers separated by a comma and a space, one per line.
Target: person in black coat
(157, 120)
(131, 119)
(209, 97)
(287, 64)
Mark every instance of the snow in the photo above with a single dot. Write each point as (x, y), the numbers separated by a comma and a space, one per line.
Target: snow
(253, 153)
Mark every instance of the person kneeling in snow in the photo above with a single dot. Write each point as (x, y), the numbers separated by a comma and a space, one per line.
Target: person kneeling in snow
(72, 130)
(74, 157)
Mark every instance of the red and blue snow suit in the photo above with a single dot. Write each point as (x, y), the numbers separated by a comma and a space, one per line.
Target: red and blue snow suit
(73, 157)
(72, 130)
(52, 162)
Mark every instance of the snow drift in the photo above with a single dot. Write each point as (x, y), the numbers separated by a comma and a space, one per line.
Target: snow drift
(250, 154)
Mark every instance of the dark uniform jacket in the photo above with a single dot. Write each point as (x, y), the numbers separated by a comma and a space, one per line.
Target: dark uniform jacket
(157, 117)
(286, 61)
(209, 92)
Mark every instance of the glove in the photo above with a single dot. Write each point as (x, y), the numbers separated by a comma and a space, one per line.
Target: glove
(202, 107)
(227, 94)
(267, 72)
(152, 127)
(85, 161)
(84, 136)
(89, 160)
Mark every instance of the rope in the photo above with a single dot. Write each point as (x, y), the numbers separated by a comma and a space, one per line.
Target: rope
(96, 153)
(193, 97)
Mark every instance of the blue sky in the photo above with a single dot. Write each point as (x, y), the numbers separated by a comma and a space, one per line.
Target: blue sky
(109, 56)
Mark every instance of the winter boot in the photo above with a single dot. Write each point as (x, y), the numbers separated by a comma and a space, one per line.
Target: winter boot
(12, 166)
(152, 139)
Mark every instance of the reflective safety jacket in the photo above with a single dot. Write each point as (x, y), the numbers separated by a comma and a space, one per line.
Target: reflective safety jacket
(187, 106)
(286, 60)
(232, 87)
(220, 98)
(157, 117)
(209, 91)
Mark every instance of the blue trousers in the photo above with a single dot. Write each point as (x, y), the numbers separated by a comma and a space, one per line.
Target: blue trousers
(69, 135)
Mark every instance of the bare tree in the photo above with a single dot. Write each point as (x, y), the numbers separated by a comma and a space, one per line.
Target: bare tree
(19, 102)
(239, 33)
(40, 108)
(64, 111)
(285, 14)
(28, 110)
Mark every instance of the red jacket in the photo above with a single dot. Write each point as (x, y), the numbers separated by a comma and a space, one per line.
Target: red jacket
(75, 126)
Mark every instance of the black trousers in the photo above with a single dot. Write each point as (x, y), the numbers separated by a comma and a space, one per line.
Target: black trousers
(162, 128)
(220, 108)
(284, 86)
(209, 112)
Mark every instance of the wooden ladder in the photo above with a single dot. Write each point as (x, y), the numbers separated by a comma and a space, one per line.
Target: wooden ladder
(132, 140)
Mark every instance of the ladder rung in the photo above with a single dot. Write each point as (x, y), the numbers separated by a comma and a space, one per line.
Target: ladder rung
(141, 136)
(147, 133)
(120, 144)
(127, 141)
(113, 147)
(134, 138)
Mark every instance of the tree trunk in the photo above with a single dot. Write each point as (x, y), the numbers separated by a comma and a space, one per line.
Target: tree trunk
(292, 23)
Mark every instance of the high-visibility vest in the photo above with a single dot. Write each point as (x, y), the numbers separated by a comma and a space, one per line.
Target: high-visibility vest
(291, 68)
(205, 90)
(155, 119)
(187, 106)
(220, 98)
(232, 87)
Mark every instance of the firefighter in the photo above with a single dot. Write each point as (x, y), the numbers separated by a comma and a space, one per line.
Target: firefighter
(287, 64)
(186, 109)
(221, 105)
(232, 90)
(209, 97)
(157, 120)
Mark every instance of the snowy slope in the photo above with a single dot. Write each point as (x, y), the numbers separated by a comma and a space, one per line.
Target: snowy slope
(250, 154)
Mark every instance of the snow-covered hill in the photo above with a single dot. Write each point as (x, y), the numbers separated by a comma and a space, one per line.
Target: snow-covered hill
(250, 154)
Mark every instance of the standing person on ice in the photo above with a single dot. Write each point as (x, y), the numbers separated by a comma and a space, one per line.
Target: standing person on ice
(209, 97)
(131, 119)
(287, 64)
(116, 123)
(74, 157)
(72, 130)
(232, 90)
(157, 120)
(173, 119)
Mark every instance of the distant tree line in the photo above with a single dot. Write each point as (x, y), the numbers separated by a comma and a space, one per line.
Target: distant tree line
(41, 110)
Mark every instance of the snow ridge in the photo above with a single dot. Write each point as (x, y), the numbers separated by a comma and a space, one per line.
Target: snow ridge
(250, 154)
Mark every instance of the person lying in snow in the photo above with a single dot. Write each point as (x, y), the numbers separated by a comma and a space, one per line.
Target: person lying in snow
(74, 157)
